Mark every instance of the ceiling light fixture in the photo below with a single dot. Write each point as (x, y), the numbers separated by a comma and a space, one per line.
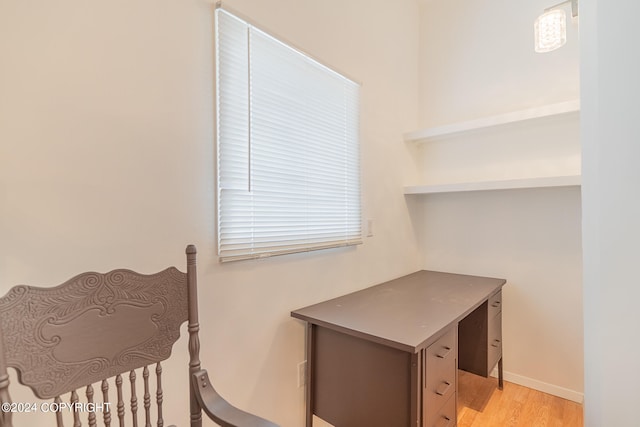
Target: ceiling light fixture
(550, 28)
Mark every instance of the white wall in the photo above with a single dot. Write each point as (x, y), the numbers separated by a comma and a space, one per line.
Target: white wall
(611, 208)
(107, 160)
(476, 60)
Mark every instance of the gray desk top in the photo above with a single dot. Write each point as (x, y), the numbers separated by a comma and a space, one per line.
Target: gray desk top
(408, 313)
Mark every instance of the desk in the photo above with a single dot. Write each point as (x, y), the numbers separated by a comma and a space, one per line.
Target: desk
(387, 356)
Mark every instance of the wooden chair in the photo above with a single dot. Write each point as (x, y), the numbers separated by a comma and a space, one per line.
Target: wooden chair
(95, 327)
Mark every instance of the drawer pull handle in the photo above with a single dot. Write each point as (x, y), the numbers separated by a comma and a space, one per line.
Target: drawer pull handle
(444, 421)
(443, 388)
(444, 354)
(495, 343)
(496, 304)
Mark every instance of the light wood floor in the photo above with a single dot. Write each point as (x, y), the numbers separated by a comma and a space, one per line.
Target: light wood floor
(481, 404)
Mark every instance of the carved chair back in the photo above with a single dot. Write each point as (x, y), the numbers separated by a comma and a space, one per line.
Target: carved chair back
(103, 330)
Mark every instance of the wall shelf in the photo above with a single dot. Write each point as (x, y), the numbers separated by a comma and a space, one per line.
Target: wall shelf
(563, 108)
(507, 184)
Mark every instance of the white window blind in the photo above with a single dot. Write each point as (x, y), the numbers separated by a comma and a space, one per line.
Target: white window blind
(288, 147)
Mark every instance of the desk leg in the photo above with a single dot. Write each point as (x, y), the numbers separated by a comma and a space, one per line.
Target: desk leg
(500, 374)
(309, 385)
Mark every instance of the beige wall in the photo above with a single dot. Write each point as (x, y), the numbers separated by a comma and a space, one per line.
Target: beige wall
(477, 60)
(107, 160)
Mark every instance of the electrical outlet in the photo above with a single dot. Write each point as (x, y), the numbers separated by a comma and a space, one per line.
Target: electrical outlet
(302, 373)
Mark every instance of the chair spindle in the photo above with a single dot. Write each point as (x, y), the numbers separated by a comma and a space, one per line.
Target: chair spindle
(134, 399)
(147, 397)
(92, 414)
(159, 393)
(120, 400)
(76, 414)
(59, 421)
(106, 414)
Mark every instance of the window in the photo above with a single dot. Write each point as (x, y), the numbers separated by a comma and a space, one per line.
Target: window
(288, 147)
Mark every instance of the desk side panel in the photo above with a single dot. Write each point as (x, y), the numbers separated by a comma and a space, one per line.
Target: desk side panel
(472, 339)
(359, 383)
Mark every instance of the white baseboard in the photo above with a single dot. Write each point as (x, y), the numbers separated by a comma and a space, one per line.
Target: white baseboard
(555, 390)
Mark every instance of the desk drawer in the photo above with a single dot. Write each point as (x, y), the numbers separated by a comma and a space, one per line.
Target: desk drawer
(447, 417)
(439, 373)
(495, 305)
(494, 341)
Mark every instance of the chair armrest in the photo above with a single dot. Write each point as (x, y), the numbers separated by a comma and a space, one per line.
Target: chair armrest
(218, 409)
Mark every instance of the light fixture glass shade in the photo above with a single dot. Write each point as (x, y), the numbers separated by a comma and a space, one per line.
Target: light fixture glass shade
(550, 30)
